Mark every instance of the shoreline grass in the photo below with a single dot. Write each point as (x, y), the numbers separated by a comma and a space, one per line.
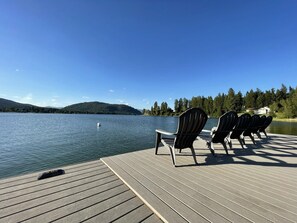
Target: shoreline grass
(285, 119)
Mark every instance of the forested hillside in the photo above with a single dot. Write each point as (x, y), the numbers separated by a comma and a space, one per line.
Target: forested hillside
(85, 108)
(282, 102)
(101, 108)
(12, 106)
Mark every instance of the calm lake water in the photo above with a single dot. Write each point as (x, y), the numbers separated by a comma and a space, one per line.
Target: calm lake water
(34, 142)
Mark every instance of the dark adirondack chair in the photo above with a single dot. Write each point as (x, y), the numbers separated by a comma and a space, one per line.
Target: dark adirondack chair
(264, 126)
(191, 123)
(241, 125)
(260, 125)
(219, 134)
(252, 128)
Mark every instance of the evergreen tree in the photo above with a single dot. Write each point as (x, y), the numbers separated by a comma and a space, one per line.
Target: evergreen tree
(176, 106)
(288, 108)
(269, 98)
(260, 101)
(230, 100)
(208, 105)
(281, 94)
(238, 102)
(250, 99)
(180, 105)
(273, 95)
(194, 102)
(164, 108)
(156, 109)
(185, 104)
(218, 104)
(294, 102)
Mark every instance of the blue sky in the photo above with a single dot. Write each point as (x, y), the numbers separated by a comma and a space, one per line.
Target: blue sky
(60, 52)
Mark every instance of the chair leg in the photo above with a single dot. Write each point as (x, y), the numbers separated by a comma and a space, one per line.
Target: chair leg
(225, 147)
(210, 147)
(259, 135)
(179, 150)
(265, 133)
(252, 138)
(229, 142)
(158, 140)
(241, 142)
(172, 155)
(194, 155)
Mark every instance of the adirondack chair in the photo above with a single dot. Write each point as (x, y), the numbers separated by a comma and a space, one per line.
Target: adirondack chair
(260, 125)
(219, 134)
(241, 125)
(252, 128)
(264, 126)
(191, 123)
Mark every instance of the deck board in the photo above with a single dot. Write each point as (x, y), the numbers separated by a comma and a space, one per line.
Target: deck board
(86, 191)
(142, 213)
(256, 184)
(18, 180)
(36, 185)
(51, 187)
(118, 211)
(151, 219)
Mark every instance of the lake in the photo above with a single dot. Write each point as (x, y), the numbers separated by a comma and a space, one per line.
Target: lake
(34, 142)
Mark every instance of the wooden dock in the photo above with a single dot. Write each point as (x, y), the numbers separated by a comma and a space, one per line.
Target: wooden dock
(88, 192)
(257, 184)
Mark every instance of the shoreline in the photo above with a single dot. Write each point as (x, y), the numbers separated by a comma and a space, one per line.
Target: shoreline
(285, 119)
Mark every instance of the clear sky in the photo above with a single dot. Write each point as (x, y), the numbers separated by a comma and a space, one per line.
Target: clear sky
(60, 52)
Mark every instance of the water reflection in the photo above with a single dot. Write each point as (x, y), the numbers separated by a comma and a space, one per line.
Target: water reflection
(288, 128)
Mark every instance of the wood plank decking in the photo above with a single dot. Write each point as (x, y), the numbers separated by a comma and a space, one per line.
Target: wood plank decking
(257, 184)
(88, 192)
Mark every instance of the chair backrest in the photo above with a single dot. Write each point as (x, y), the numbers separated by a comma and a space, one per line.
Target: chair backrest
(260, 123)
(241, 125)
(226, 123)
(253, 126)
(191, 123)
(266, 123)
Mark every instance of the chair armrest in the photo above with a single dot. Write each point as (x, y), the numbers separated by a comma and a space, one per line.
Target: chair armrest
(213, 130)
(204, 135)
(165, 132)
(159, 134)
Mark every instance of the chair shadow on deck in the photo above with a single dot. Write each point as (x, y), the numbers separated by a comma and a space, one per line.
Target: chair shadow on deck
(266, 150)
(243, 157)
(185, 154)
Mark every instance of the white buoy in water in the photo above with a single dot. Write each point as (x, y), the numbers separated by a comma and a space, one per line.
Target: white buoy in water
(98, 124)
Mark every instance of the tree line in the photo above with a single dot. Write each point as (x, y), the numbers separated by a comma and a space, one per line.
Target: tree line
(30, 109)
(282, 103)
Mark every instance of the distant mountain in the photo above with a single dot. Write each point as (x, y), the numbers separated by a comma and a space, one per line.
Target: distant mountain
(12, 106)
(4, 103)
(86, 108)
(101, 108)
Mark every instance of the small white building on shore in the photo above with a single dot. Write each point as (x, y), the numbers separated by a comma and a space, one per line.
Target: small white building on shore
(262, 111)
